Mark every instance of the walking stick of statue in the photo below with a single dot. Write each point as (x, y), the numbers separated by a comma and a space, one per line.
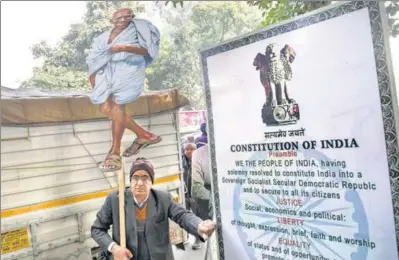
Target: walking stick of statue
(121, 187)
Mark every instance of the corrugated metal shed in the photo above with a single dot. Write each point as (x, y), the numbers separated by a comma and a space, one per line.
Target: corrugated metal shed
(50, 182)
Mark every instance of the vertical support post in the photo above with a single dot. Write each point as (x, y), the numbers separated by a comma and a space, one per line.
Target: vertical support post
(121, 187)
(80, 227)
(33, 234)
(182, 188)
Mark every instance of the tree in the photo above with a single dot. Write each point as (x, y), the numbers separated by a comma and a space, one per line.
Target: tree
(392, 8)
(209, 23)
(186, 29)
(210, 33)
(64, 66)
(278, 11)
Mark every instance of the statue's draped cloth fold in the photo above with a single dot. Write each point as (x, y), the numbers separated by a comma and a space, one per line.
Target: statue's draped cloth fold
(122, 74)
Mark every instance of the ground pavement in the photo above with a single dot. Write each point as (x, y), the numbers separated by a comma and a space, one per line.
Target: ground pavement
(190, 253)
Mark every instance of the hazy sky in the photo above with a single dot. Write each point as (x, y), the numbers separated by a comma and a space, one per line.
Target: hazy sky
(24, 23)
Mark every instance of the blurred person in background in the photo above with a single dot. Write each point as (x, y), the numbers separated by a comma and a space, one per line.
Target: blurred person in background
(188, 148)
(201, 180)
(203, 138)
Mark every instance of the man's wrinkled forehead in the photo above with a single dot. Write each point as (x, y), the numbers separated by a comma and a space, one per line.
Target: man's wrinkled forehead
(122, 12)
(141, 173)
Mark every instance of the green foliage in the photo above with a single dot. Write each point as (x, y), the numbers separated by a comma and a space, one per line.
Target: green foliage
(187, 29)
(278, 11)
(392, 8)
(206, 28)
(209, 23)
(174, 3)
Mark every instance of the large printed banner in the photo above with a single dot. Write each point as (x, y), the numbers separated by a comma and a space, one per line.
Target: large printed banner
(303, 139)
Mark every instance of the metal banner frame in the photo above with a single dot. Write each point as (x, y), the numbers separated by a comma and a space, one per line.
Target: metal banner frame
(389, 103)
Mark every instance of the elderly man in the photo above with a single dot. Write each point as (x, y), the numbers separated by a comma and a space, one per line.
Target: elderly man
(202, 193)
(117, 64)
(147, 219)
(188, 148)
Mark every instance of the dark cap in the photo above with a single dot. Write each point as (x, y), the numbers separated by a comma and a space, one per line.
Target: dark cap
(142, 163)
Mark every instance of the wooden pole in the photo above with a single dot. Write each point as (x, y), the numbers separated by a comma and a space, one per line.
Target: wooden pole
(121, 187)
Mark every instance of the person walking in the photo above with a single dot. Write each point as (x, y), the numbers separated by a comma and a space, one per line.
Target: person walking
(188, 148)
(201, 180)
(203, 138)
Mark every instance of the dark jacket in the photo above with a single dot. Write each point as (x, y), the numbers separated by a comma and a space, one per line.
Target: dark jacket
(160, 208)
(187, 175)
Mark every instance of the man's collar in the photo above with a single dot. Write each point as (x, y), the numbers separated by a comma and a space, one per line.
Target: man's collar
(142, 203)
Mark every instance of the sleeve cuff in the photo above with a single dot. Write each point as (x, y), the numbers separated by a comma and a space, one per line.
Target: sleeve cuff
(110, 247)
(197, 222)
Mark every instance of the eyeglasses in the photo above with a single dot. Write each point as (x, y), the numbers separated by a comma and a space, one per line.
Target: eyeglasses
(143, 178)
